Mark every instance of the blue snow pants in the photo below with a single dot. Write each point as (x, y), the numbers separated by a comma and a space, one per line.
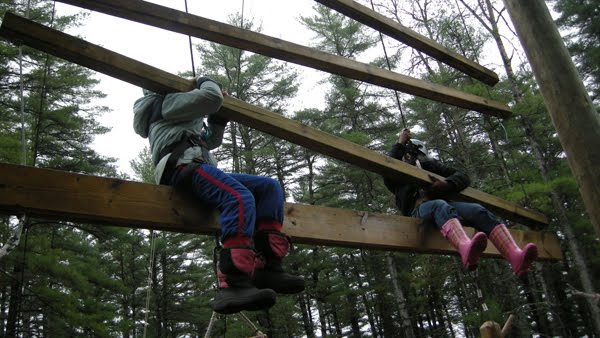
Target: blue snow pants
(242, 199)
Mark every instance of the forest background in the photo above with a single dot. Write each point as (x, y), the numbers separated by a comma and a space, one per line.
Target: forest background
(70, 279)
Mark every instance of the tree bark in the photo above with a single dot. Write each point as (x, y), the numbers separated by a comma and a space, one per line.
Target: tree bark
(556, 200)
(573, 114)
(306, 316)
(400, 299)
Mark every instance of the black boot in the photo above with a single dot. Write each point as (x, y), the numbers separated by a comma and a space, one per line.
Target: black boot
(273, 246)
(236, 291)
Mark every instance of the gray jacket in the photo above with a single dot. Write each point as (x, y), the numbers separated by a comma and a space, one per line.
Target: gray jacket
(179, 113)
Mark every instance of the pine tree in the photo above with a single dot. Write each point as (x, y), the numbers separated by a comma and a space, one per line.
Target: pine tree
(580, 19)
(51, 290)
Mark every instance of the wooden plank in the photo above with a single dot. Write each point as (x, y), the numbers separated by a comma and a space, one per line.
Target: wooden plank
(192, 25)
(391, 28)
(110, 201)
(145, 76)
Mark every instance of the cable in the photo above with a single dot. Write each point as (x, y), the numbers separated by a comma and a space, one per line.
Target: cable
(210, 325)
(387, 59)
(152, 252)
(23, 150)
(43, 93)
(254, 327)
(191, 49)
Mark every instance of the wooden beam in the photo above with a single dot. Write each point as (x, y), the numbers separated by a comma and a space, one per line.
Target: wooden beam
(391, 28)
(145, 76)
(192, 25)
(573, 114)
(110, 201)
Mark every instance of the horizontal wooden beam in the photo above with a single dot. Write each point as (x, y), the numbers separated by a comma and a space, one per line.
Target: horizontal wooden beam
(84, 198)
(121, 67)
(189, 24)
(391, 28)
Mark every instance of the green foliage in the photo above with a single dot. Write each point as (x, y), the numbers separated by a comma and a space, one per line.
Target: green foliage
(336, 34)
(84, 280)
(143, 167)
(580, 20)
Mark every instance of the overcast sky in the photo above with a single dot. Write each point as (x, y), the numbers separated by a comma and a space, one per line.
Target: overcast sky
(170, 51)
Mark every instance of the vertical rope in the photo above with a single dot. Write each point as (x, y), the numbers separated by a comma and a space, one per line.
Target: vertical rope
(387, 60)
(23, 148)
(13, 241)
(152, 253)
(191, 49)
(43, 94)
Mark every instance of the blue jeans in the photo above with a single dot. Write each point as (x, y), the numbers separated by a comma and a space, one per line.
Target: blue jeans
(470, 214)
(242, 199)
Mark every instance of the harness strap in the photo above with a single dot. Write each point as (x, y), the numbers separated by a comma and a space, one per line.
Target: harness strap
(177, 149)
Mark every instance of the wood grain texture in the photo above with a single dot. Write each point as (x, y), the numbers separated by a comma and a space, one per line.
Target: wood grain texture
(211, 30)
(143, 75)
(76, 197)
(393, 29)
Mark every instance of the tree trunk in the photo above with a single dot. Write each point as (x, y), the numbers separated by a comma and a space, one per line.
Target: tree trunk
(370, 316)
(556, 200)
(307, 322)
(15, 298)
(405, 322)
(573, 114)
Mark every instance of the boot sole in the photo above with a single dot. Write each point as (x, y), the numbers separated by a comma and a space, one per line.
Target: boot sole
(478, 247)
(290, 290)
(281, 283)
(531, 254)
(261, 300)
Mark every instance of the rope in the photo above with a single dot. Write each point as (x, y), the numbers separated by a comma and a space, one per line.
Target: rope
(190, 41)
(210, 325)
(387, 60)
(23, 150)
(13, 241)
(256, 330)
(152, 253)
(216, 250)
(218, 247)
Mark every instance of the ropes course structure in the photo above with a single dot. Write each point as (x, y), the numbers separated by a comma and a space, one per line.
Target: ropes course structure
(165, 207)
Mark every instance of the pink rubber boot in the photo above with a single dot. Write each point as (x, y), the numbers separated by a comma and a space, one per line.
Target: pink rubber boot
(469, 249)
(519, 259)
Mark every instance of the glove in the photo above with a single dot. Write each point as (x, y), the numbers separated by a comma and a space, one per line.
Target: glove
(200, 80)
(438, 189)
(216, 119)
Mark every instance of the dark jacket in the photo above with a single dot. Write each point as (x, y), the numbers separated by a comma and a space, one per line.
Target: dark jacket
(407, 194)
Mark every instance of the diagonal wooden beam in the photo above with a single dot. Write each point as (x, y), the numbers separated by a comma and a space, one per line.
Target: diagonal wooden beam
(188, 24)
(84, 198)
(145, 76)
(391, 28)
